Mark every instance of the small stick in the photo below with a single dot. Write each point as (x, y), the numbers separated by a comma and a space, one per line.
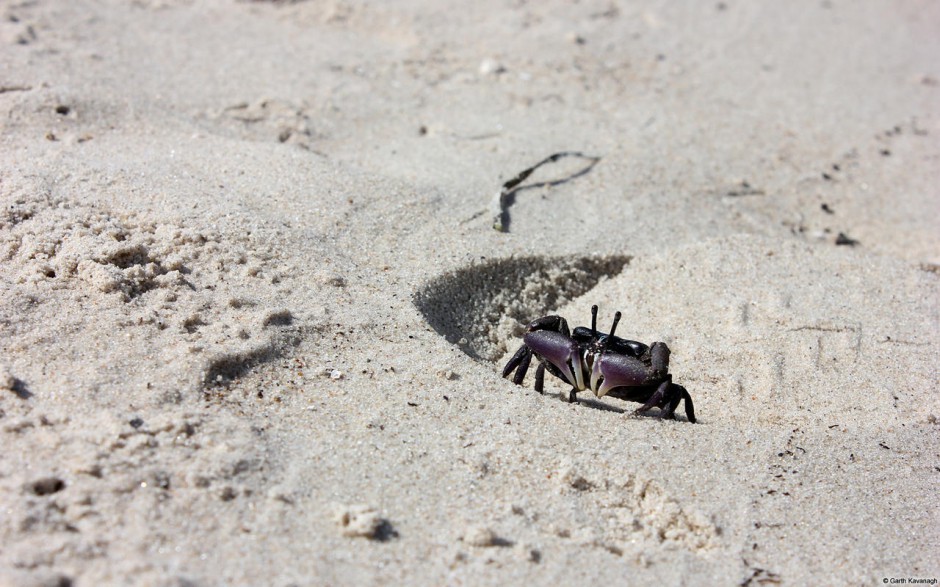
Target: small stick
(501, 201)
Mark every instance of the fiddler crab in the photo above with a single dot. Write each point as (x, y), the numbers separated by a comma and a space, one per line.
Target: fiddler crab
(604, 363)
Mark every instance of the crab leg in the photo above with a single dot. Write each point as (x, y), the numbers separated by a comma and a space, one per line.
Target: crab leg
(689, 408)
(656, 400)
(515, 360)
(523, 367)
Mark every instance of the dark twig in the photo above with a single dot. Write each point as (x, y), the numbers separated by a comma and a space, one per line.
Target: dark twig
(506, 196)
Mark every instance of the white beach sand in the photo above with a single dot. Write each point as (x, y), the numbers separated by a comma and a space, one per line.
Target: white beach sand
(253, 311)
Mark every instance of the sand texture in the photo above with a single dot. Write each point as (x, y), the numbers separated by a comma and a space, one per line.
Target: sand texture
(254, 309)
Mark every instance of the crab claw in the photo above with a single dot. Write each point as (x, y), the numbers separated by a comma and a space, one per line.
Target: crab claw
(559, 350)
(612, 370)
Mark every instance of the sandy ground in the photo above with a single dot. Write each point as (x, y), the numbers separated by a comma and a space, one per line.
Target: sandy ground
(253, 309)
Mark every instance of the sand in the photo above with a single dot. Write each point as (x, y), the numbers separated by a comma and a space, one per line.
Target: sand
(253, 307)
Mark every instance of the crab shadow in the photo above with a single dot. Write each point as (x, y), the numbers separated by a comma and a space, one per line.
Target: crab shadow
(599, 405)
(466, 306)
(653, 414)
(595, 404)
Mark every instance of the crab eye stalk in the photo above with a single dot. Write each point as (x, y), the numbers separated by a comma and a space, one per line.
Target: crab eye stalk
(613, 328)
(594, 319)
